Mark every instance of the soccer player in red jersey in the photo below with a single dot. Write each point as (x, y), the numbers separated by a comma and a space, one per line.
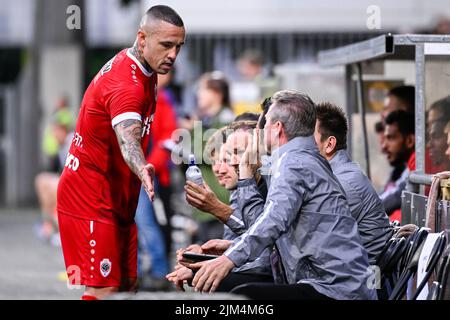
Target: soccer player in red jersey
(99, 187)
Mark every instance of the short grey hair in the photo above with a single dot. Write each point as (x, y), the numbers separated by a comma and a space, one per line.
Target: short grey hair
(296, 111)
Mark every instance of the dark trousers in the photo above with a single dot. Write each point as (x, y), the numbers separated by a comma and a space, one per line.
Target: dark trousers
(235, 279)
(207, 230)
(165, 194)
(266, 291)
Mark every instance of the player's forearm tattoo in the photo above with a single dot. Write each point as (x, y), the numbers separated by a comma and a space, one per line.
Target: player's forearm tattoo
(129, 134)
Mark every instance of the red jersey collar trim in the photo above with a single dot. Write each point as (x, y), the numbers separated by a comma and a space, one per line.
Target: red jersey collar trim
(144, 71)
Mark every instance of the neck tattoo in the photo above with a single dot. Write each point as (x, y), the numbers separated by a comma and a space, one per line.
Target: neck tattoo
(138, 53)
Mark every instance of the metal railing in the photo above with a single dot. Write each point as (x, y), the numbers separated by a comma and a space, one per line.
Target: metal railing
(204, 49)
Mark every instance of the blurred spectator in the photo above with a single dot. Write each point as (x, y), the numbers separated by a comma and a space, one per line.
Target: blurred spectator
(437, 117)
(254, 82)
(172, 92)
(213, 102)
(50, 144)
(46, 183)
(398, 98)
(251, 65)
(443, 26)
(439, 110)
(155, 238)
(447, 131)
(213, 112)
(437, 144)
(399, 146)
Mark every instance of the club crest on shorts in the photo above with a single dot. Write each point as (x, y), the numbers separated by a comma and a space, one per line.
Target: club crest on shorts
(105, 267)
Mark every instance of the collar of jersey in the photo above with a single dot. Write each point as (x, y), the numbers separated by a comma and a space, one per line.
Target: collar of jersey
(144, 71)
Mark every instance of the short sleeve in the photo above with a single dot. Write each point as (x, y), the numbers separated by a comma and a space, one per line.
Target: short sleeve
(125, 103)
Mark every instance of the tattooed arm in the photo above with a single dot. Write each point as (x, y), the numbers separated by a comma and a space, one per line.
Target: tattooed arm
(129, 133)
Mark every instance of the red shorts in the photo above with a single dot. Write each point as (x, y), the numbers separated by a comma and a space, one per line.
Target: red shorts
(98, 254)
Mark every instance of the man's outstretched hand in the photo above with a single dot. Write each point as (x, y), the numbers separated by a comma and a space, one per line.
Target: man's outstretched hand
(129, 134)
(147, 174)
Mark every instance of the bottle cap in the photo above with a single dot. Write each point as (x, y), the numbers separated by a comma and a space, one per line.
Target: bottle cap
(191, 159)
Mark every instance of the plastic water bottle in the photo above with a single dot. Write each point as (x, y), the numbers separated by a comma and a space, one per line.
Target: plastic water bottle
(193, 173)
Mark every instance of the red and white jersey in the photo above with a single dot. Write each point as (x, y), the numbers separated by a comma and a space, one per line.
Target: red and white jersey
(96, 183)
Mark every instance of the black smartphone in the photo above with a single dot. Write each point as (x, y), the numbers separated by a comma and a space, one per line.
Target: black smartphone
(197, 257)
